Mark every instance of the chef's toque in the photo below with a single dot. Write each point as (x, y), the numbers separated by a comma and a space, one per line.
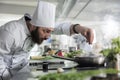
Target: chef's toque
(44, 16)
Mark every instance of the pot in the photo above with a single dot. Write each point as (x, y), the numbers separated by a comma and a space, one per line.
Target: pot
(86, 61)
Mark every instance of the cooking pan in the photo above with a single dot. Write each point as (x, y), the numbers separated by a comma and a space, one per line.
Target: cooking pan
(86, 61)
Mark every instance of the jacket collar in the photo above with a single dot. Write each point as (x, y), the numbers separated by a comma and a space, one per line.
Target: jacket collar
(23, 22)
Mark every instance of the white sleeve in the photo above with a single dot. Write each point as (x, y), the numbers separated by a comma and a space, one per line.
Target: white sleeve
(4, 71)
(62, 28)
(10, 64)
(19, 61)
(6, 42)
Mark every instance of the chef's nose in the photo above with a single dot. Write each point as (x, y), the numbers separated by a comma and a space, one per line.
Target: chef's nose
(47, 35)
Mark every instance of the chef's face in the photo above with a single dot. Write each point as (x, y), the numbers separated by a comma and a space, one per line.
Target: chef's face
(39, 34)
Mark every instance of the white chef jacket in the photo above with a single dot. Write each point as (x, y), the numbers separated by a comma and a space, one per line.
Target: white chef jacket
(13, 36)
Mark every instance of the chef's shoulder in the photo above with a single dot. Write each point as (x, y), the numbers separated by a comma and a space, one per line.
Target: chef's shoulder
(61, 24)
(11, 26)
(62, 28)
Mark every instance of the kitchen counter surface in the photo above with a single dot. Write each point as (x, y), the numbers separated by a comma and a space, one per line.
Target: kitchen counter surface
(37, 64)
(39, 72)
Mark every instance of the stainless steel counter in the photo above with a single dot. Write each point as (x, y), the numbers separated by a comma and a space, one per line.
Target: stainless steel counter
(36, 67)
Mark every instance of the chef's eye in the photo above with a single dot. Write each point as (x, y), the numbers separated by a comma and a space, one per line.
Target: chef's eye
(47, 31)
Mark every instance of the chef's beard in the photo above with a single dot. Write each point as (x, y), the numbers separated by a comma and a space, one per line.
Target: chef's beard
(35, 36)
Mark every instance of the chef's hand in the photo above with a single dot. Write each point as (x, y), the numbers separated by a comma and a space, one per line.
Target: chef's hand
(86, 32)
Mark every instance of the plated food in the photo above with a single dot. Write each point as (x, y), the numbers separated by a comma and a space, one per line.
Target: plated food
(41, 57)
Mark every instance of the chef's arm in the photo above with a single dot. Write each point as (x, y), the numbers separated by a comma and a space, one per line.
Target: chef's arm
(4, 50)
(7, 71)
(70, 29)
(85, 31)
(5, 44)
(10, 64)
(4, 71)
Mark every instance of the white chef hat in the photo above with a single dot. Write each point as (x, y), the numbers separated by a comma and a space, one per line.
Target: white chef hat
(44, 16)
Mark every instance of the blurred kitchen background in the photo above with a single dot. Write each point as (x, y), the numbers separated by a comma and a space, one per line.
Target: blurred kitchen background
(103, 16)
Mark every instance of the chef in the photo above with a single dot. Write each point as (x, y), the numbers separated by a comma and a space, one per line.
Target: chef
(15, 35)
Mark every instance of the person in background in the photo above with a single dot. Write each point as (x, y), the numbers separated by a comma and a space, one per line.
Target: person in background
(16, 35)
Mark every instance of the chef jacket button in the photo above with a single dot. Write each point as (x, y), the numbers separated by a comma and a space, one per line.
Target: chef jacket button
(13, 57)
